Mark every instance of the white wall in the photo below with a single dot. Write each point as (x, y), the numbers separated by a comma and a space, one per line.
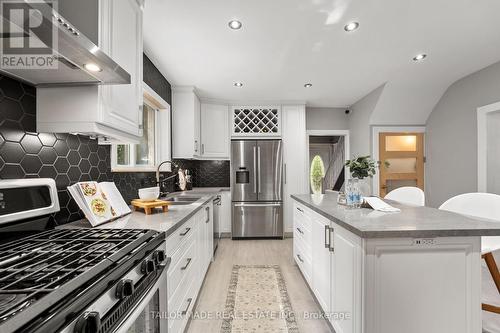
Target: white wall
(326, 119)
(359, 123)
(451, 139)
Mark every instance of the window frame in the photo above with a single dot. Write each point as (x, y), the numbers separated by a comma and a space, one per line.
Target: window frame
(162, 146)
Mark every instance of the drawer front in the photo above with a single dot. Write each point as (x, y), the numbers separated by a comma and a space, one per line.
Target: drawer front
(302, 215)
(181, 234)
(303, 260)
(181, 305)
(182, 265)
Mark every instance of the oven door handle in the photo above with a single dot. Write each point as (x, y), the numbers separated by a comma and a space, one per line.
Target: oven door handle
(132, 316)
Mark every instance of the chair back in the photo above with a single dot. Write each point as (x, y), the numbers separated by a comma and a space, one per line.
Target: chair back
(407, 195)
(482, 205)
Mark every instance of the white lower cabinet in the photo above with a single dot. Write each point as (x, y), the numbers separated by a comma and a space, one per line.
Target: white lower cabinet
(321, 267)
(336, 263)
(190, 248)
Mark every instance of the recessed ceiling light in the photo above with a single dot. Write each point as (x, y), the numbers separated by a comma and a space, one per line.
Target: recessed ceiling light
(351, 26)
(92, 67)
(235, 24)
(420, 57)
(308, 85)
(238, 84)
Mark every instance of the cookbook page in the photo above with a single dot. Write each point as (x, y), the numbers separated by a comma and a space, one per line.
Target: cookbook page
(114, 197)
(99, 206)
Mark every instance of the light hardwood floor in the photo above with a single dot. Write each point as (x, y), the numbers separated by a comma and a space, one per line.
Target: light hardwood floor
(254, 252)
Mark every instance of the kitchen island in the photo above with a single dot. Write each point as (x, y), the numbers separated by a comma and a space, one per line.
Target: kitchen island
(415, 271)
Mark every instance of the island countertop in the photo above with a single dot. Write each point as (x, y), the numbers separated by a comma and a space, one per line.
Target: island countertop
(412, 221)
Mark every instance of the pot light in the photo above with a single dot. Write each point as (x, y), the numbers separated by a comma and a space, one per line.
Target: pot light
(238, 84)
(308, 85)
(235, 24)
(92, 67)
(351, 26)
(420, 57)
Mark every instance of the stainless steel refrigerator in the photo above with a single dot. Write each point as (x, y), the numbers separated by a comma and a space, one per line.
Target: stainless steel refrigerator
(257, 187)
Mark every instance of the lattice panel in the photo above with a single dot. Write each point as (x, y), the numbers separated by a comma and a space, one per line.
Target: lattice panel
(256, 121)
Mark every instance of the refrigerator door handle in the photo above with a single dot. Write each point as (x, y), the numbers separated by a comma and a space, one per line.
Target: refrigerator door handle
(255, 169)
(274, 204)
(284, 171)
(258, 168)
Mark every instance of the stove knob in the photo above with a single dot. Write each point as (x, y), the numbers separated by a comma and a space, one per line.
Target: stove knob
(90, 322)
(124, 288)
(148, 266)
(159, 256)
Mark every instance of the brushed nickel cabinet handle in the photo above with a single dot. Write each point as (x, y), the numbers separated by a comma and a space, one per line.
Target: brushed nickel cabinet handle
(183, 268)
(327, 237)
(185, 232)
(189, 300)
(207, 210)
(300, 209)
(300, 258)
(331, 235)
(299, 230)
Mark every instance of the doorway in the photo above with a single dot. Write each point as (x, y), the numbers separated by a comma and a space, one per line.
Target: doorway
(328, 151)
(488, 146)
(401, 157)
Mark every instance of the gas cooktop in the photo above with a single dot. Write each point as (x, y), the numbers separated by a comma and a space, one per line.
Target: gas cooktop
(40, 271)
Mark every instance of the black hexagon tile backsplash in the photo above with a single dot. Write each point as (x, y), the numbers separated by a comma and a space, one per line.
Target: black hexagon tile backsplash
(71, 158)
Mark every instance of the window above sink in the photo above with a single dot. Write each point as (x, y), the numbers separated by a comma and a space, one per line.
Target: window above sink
(154, 144)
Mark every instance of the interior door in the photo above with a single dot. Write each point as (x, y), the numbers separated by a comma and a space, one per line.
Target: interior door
(269, 170)
(243, 170)
(402, 161)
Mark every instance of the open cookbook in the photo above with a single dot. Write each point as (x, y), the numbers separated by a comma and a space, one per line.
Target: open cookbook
(100, 202)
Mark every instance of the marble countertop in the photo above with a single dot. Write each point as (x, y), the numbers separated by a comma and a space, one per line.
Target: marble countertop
(415, 222)
(167, 222)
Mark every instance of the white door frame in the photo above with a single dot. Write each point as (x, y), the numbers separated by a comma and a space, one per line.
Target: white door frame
(482, 138)
(344, 133)
(376, 130)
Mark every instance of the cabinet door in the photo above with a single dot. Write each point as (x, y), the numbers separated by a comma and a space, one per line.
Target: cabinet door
(209, 234)
(197, 127)
(321, 261)
(346, 263)
(121, 39)
(214, 131)
(295, 169)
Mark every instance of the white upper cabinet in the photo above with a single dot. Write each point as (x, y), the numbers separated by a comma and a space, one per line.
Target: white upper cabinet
(200, 130)
(108, 111)
(214, 131)
(121, 36)
(185, 123)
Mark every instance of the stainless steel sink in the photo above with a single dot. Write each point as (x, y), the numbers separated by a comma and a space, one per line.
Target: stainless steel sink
(183, 198)
(180, 199)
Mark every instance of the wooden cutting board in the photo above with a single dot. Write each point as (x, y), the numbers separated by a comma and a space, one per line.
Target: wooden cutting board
(148, 205)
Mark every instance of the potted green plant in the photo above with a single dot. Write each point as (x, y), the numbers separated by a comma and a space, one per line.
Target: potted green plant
(360, 168)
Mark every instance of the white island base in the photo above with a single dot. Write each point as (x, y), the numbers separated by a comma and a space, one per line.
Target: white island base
(417, 288)
(388, 285)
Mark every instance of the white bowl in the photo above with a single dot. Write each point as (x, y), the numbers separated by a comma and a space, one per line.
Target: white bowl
(149, 193)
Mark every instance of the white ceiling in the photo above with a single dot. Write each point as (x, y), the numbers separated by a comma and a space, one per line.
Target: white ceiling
(286, 43)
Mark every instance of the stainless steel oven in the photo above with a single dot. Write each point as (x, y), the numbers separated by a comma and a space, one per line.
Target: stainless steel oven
(136, 303)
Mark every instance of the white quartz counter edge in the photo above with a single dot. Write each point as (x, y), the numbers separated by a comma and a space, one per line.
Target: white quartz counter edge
(166, 222)
(412, 221)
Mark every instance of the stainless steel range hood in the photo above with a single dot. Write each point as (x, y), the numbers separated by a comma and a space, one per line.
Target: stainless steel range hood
(73, 52)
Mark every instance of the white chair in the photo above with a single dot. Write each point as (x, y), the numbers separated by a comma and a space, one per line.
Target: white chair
(487, 206)
(407, 195)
